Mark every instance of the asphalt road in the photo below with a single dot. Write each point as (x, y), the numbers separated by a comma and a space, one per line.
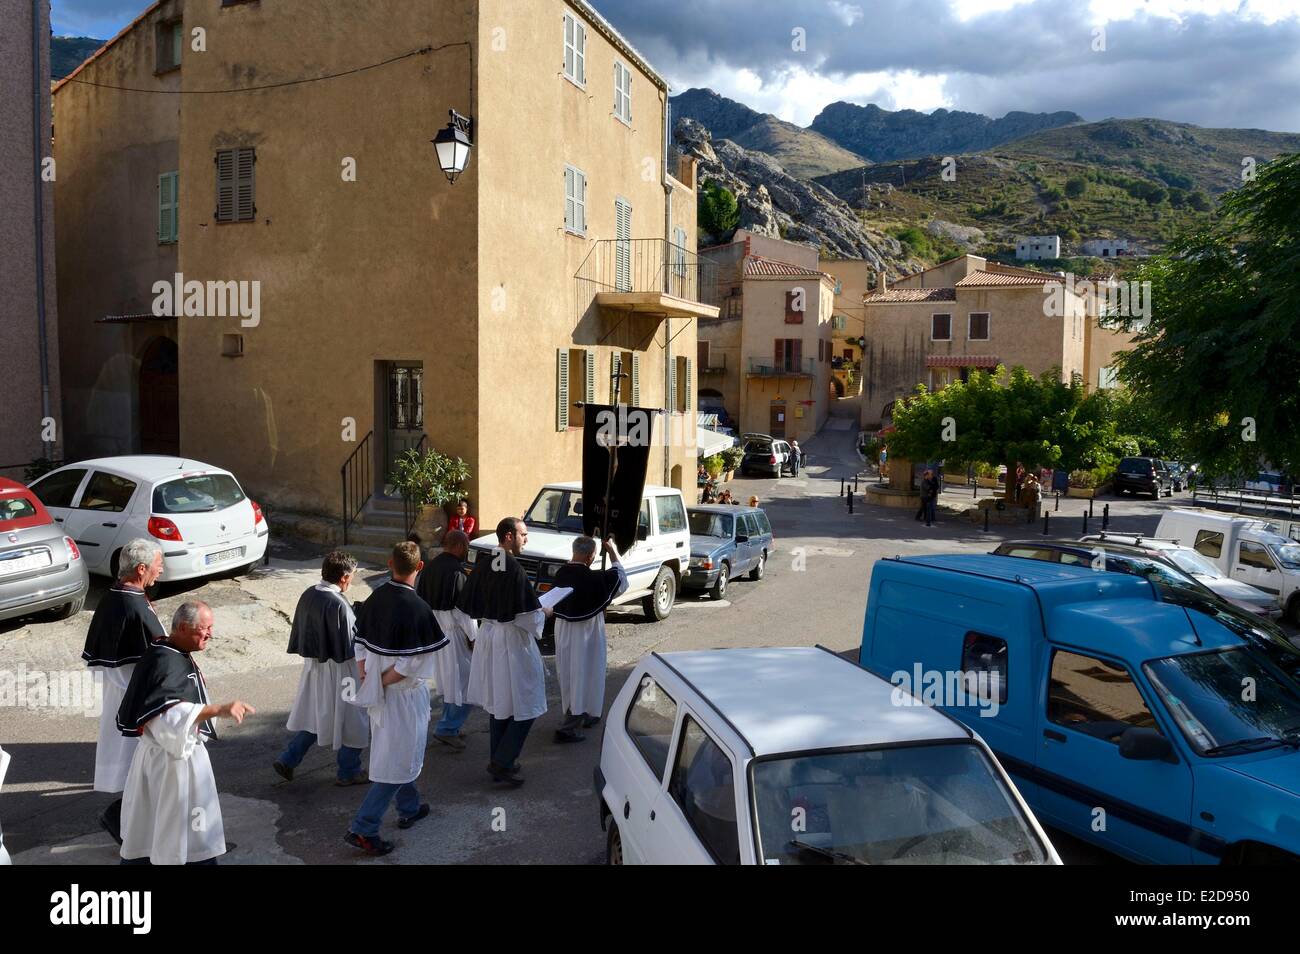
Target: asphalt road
(814, 593)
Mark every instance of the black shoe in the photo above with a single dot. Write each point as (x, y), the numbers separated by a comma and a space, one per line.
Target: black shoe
(282, 770)
(566, 736)
(590, 721)
(508, 776)
(371, 846)
(113, 830)
(423, 812)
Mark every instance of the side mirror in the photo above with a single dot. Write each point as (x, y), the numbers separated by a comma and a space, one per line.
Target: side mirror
(742, 538)
(642, 533)
(1145, 745)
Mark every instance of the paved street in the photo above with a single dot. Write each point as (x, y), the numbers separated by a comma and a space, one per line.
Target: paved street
(815, 592)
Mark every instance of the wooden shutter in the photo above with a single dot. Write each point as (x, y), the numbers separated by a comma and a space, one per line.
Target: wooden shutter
(590, 362)
(167, 207)
(778, 353)
(615, 368)
(225, 185)
(580, 44)
(671, 403)
(245, 160)
(623, 245)
(792, 315)
(570, 68)
(636, 380)
(686, 389)
(796, 352)
(561, 389)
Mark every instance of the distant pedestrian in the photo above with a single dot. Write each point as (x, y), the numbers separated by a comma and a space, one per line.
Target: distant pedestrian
(796, 458)
(461, 519)
(753, 501)
(929, 496)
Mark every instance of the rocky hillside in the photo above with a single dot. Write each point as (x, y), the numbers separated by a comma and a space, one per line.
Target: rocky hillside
(69, 52)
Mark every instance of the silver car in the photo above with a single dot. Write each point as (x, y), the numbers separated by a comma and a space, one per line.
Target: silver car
(40, 567)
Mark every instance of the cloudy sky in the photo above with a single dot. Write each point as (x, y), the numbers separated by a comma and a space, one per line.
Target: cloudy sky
(1210, 62)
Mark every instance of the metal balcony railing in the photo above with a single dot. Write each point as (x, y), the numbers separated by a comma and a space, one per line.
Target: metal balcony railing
(768, 367)
(648, 265)
(717, 364)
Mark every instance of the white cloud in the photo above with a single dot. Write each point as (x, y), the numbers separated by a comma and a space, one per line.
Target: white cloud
(849, 13)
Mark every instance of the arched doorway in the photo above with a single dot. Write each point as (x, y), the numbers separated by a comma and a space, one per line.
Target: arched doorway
(160, 419)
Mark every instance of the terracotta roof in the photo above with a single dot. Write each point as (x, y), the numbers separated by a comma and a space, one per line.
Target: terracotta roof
(910, 294)
(995, 280)
(961, 361)
(999, 268)
(756, 267)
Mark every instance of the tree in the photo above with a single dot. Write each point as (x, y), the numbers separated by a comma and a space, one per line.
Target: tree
(717, 212)
(1219, 360)
(1076, 187)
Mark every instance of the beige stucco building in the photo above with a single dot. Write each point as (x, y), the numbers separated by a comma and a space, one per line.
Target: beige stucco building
(968, 313)
(30, 423)
(768, 353)
(853, 278)
(395, 306)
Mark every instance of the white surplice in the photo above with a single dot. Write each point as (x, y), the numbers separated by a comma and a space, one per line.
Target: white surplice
(113, 751)
(319, 706)
(170, 811)
(580, 655)
(506, 676)
(399, 714)
(451, 665)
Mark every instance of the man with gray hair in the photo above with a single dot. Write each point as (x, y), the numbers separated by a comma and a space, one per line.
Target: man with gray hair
(121, 631)
(580, 651)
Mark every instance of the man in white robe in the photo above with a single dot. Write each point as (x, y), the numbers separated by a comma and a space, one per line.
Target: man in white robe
(121, 631)
(324, 628)
(440, 585)
(580, 650)
(397, 640)
(170, 811)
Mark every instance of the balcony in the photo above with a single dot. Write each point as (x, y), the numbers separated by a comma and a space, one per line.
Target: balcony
(716, 364)
(649, 277)
(788, 368)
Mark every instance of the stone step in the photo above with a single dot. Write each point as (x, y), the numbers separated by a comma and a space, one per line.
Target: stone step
(381, 537)
(385, 504)
(382, 518)
(368, 555)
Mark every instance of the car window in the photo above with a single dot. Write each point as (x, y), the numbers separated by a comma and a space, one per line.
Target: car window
(202, 493)
(107, 492)
(1028, 553)
(982, 653)
(707, 524)
(703, 788)
(671, 514)
(1096, 697)
(763, 525)
(16, 508)
(1209, 543)
(557, 509)
(650, 721)
(758, 447)
(57, 490)
(1254, 555)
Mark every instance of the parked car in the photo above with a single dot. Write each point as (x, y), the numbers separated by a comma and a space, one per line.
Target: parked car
(796, 756)
(1204, 571)
(654, 564)
(1270, 482)
(40, 565)
(1178, 476)
(198, 513)
(1147, 475)
(726, 541)
(765, 455)
(4, 768)
(1124, 721)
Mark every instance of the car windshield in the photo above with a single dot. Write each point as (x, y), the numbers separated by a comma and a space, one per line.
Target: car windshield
(1204, 694)
(1288, 554)
(912, 804)
(706, 524)
(758, 447)
(1189, 561)
(557, 510)
(198, 493)
(16, 508)
(1135, 465)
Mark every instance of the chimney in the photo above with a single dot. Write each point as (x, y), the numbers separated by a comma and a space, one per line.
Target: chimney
(882, 283)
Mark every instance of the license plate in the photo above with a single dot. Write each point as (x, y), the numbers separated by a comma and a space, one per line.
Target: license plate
(223, 555)
(33, 561)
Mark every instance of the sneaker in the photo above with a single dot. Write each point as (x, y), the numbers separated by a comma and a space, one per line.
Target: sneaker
(508, 776)
(361, 778)
(590, 721)
(453, 742)
(371, 846)
(423, 812)
(282, 770)
(565, 736)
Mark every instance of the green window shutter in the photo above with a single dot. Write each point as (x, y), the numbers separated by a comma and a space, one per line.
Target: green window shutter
(562, 390)
(167, 207)
(686, 387)
(615, 368)
(245, 160)
(591, 376)
(636, 380)
(225, 162)
(671, 404)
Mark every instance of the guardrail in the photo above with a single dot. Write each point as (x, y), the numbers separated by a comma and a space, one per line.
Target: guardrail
(355, 474)
(769, 367)
(1246, 500)
(649, 265)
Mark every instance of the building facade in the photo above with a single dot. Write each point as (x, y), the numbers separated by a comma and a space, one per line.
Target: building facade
(848, 324)
(1036, 247)
(31, 424)
(395, 309)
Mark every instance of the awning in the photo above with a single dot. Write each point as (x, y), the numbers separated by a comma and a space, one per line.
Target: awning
(711, 442)
(705, 419)
(961, 361)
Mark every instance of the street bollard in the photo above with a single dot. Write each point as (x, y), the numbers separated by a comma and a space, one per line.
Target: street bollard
(1047, 515)
(1058, 501)
(974, 491)
(1090, 506)
(1105, 516)
(1085, 523)
(841, 486)
(855, 483)
(986, 519)
(850, 501)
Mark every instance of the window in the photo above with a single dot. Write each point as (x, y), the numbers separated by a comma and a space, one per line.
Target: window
(978, 326)
(702, 787)
(622, 245)
(643, 518)
(582, 383)
(650, 721)
(575, 50)
(562, 389)
(57, 490)
(981, 653)
(679, 271)
(1095, 697)
(682, 384)
(16, 508)
(170, 38)
(1254, 555)
(200, 494)
(787, 354)
(626, 365)
(671, 514)
(622, 92)
(168, 207)
(848, 354)
(107, 492)
(1208, 543)
(1107, 377)
(794, 306)
(232, 346)
(235, 185)
(575, 201)
(941, 327)
(764, 526)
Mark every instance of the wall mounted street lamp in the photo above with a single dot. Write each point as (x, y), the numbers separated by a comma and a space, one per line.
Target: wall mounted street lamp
(453, 144)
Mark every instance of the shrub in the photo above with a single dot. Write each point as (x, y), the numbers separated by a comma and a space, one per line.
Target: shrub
(1083, 479)
(429, 478)
(731, 458)
(714, 465)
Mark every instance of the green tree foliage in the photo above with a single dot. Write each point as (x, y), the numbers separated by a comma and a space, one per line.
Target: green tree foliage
(1223, 342)
(1076, 187)
(717, 212)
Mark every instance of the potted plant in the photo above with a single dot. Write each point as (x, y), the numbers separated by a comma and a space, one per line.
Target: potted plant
(429, 480)
(1082, 483)
(714, 466)
(731, 458)
(986, 475)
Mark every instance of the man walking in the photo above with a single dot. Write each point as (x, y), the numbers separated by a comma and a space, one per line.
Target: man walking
(796, 458)
(580, 650)
(929, 496)
(440, 585)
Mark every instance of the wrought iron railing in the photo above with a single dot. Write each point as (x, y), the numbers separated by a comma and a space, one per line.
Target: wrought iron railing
(410, 512)
(717, 364)
(1247, 500)
(357, 483)
(648, 265)
(769, 367)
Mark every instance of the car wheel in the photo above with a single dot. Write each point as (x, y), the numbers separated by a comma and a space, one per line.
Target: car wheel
(1155, 494)
(659, 603)
(719, 589)
(68, 610)
(757, 572)
(1293, 610)
(613, 845)
(112, 564)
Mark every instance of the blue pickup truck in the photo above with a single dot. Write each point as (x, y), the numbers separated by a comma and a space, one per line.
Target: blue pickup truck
(1144, 727)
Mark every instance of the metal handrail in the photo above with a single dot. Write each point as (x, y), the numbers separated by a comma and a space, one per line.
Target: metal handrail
(1243, 498)
(649, 265)
(409, 512)
(768, 367)
(355, 474)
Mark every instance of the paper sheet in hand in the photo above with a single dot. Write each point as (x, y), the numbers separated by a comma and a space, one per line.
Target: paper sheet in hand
(551, 597)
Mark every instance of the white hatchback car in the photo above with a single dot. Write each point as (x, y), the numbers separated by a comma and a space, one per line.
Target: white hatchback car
(198, 513)
(798, 756)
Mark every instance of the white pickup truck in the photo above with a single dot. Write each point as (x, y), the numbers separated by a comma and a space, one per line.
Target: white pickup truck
(654, 564)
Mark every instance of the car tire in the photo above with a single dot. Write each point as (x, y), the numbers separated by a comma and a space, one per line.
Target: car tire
(112, 564)
(659, 603)
(68, 610)
(613, 845)
(760, 568)
(719, 589)
(1293, 610)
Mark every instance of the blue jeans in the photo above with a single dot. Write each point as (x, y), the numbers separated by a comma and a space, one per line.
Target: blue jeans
(349, 759)
(376, 802)
(929, 508)
(453, 717)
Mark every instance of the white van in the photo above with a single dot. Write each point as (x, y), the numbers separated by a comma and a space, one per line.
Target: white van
(1246, 548)
(654, 564)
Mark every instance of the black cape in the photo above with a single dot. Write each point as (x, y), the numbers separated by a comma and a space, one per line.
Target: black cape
(441, 581)
(499, 595)
(323, 626)
(394, 621)
(593, 590)
(122, 630)
(164, 677)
